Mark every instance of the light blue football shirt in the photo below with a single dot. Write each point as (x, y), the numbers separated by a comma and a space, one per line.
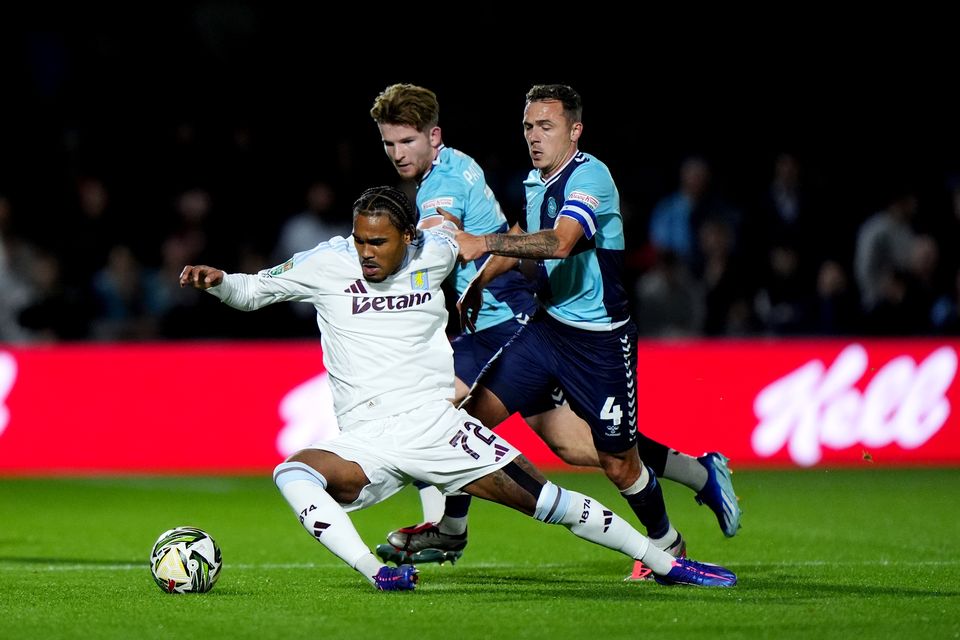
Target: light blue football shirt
(457, 185)
(585, 289)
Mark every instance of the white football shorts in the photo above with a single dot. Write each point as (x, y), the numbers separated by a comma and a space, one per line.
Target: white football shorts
(436, 443)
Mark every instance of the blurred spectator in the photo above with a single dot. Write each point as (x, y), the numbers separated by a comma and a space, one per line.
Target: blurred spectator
(56, 311)
(924, 272)
(883, 250)
(16, 258)
(180, 315)
(320, 221)
(170, 302)
(676, 218)
(669, 301)
(908, 294)
(785, 200)
(897, 311)
(124, 311)
(191, 225)
(944, 226)
(780, 302)
(783, 214)
(728, 293)
(945, 314)
(86, 236)
(835, 309)
(323, 219)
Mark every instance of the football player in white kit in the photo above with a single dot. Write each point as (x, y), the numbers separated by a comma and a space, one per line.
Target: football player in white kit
(382, 319)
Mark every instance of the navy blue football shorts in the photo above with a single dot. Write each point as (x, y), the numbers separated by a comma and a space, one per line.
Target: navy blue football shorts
(472, 352)
(597, 371)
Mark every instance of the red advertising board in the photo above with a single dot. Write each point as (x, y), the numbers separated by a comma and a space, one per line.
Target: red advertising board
(242, 407)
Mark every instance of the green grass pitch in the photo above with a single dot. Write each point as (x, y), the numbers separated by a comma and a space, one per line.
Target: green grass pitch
(865, 553)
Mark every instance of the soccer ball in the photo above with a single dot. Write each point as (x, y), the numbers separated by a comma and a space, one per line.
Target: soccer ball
(185, 560)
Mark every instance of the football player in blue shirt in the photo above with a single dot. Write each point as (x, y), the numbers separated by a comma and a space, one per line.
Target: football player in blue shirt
(451, 185)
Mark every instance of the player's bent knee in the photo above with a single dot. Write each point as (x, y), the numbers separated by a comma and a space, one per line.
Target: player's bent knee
(287, 472)
(552, 503)
(580, 456)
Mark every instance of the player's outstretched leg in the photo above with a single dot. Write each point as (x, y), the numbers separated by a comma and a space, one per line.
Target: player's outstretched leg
(590, 520)
(305, 489)
(718, 493)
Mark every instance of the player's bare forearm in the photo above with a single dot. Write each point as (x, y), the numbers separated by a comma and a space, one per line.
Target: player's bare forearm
(542, 244)
(539, 245)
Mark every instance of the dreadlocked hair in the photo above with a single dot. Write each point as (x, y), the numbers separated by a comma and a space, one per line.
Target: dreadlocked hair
(390, 201)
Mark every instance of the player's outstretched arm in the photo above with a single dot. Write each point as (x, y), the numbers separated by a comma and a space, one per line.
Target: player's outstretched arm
(200, 276)
(554, 243)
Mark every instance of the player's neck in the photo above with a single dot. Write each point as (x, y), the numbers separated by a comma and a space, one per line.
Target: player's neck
(433, 163)
(557, 169)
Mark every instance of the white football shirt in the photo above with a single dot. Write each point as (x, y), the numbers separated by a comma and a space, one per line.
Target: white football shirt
(384, 344)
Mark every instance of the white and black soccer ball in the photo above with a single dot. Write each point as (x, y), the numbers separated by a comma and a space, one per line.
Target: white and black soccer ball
(185, 560)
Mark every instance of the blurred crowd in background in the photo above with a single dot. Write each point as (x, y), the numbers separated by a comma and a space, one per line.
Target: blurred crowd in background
(778, 207)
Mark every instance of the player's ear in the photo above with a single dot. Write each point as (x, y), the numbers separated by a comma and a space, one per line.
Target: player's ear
(575, 131)
(435, 137)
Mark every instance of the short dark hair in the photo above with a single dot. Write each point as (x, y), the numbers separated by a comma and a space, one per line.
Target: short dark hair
(387, 200)
(572, 104)
(406, 104)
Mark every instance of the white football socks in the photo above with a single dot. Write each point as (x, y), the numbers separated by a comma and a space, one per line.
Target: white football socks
(453, 526)
(433, 503)
(586, 518)
(323, 518)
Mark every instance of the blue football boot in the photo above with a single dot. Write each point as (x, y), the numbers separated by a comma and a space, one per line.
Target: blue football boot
(698, 574)
(402, 578)
(718, 493)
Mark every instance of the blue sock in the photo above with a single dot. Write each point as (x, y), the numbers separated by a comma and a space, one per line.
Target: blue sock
(647, 502)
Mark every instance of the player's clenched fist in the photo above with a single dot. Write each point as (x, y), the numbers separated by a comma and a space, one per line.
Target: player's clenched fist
(200, 276)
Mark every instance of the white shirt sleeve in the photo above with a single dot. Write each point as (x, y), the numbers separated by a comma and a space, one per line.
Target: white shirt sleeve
(250, 292)
(446, 232)
(299, 279)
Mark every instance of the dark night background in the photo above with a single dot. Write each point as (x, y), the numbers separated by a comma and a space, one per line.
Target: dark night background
(273, 99)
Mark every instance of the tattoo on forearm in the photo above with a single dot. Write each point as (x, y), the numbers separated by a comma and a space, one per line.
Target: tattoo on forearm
(543, 244)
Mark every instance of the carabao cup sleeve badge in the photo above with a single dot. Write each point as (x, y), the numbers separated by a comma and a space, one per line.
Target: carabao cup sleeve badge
(286, 266)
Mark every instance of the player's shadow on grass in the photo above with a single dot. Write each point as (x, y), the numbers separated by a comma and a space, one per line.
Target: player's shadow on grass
(569, 584)
(84, 562)
(753, 586)
(800, 589)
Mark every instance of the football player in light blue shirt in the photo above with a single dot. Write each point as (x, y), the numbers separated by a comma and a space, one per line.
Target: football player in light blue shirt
(452, 185)
(585, 341)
